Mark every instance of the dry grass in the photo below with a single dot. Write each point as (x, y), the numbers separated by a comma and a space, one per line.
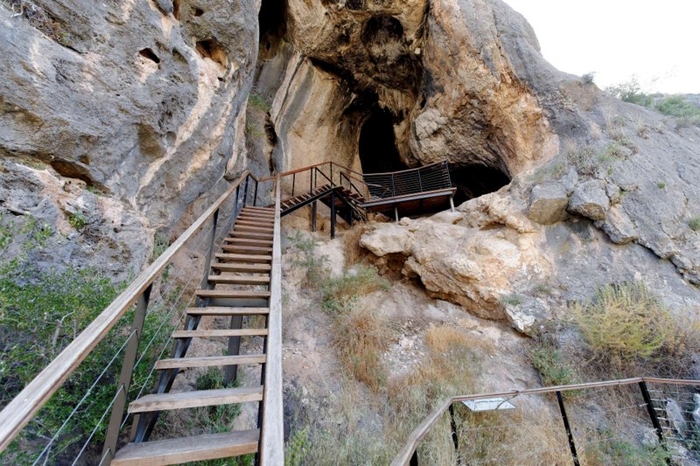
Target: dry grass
(441, 339)
(351, 244)
(361, 337)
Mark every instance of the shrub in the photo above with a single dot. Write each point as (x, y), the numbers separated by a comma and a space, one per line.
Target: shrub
(552, 366)
(630, 330)
(340, 294)
(588, 78)
(694, 223)
(679, 107)
(312, 261)
(257, 101)
(631, 92)
(77, 221)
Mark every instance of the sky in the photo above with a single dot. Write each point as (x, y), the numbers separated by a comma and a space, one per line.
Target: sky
(654, 41)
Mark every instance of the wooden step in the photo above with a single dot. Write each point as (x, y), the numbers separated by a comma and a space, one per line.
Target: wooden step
(254, 229)
(210, 361)
(240, 279)
(254, 223)
(195, 399)
(246, 249)
(257, 215)
(246, 294)
(227, 311)
(258, 207)
(243, 257)
(225, 333)
(252, 242)
(241, 268)
(188, 449)
(256, 218)
(250, 235)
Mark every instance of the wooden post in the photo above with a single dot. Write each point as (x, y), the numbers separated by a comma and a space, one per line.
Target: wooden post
(115, 419)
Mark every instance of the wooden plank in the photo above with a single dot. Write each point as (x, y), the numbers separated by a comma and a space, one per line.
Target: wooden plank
(272, 435)
(247, 294)
(240, 279)
(243, 257)
(261, 242)
(253, 217)
(246, 248)
(195, 399)
(256, 208)
(227, 311)
(247, 234)
(25, 405)
(210, 361)
(214, 333)
(255, 229)
(251, 268)
(182, 450)
(254, 223)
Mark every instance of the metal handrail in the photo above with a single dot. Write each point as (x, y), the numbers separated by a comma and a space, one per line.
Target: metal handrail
(37, 393)
(404, 456)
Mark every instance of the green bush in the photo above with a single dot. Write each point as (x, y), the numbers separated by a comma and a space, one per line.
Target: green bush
(340, 294)
(631, 92)
(552, 366)
(677, 106)
(694, 223)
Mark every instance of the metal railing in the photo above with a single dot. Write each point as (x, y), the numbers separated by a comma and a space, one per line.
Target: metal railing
(425, 179)
(22, 409)
(575, 435)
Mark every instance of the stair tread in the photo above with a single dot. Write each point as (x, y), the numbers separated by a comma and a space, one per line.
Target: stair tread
(233, 293)
(195, 399)
(251, 235)
(246, 247)
(254, 223)
(247, 267)
(187, 449)
(209, 361)
(244, 257)
(248, 241)
(240, 279)
(261, 229)
(227, 311)
(241, 332)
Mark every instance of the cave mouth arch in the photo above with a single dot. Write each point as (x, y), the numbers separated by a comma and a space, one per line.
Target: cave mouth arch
(377, 145)
(272, 22)
(474, 179)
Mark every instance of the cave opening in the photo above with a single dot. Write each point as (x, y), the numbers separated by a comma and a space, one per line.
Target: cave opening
(377, 147)
(272, 22)
(474, 180)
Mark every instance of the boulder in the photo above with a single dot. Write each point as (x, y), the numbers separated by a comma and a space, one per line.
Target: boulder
(548, 204)
(590, 200)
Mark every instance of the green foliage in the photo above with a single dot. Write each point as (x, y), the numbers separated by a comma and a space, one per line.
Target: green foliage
(511, 300)
(677, 106)
(257, 101)
(312, 261)
(297, 448)
(552, 366)
(6, 232)
(160, 244)
(77, 220)
(340, 294)
(614, 450)
(624, 322)
(588, 78)
(694, 223)
(661, 184)
(631, 92)
(41, 312)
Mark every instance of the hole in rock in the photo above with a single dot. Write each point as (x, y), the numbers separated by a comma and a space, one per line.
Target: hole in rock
(474, 180)
(197, 11)
(355, 4)
(271, 18)
(378, 152)
(211, 48)
(149, 54)
(381, 30)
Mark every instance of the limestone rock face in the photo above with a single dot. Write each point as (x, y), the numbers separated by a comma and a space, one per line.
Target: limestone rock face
(134, 99)
(454, 76)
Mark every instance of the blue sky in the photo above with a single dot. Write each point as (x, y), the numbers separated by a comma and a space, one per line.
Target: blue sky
(617, 39)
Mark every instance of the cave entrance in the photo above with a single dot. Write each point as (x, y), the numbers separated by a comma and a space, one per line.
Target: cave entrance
(272, 23)
(474, 180)
(377, 147)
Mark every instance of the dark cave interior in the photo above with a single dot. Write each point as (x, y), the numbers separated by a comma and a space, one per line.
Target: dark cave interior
(378, 152)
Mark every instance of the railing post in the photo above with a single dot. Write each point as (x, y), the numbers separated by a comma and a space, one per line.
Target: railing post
(115, 419)
(569, 435)
(210, 251)
(652, 414)
(420, 181)
(235, 206)
(245, 191)
(311, 180)
(453, 426)
(332, 184)
(393, 186)
(294, 182)
(255, 197)
(332, 213)
(414, 458)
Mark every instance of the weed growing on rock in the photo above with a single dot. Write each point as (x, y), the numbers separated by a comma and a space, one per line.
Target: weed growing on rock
(511, 300)
(257, 101)
(39, 19)
(340, 294)
(694, 223)
(314, 263)
(77, 221)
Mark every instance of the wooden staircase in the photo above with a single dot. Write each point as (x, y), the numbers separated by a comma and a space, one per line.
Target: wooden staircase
(238, 286)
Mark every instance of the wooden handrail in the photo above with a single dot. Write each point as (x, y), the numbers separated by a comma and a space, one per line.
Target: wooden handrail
(404, 455)
(25, 405)
(272, 431)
